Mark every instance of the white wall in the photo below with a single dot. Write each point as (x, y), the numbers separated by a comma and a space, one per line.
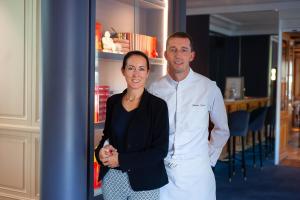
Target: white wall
(290, 19)
(19, 92)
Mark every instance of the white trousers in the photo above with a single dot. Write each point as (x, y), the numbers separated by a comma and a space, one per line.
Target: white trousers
(190, 179)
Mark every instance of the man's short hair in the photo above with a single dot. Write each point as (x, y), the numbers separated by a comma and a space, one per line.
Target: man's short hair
(181, 35)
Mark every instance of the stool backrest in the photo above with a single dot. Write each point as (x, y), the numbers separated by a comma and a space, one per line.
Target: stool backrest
(270, 117)
(257, 119)
(238, 122)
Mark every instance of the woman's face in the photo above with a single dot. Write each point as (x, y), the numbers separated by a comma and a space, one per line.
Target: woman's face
(136, 72)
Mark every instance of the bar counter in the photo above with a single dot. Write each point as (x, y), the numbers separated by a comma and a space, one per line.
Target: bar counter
(248, 103)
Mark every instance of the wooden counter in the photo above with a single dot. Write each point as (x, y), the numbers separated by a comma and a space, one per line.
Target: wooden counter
(248, 103)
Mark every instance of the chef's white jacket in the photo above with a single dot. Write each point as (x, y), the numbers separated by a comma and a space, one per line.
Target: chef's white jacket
(191, 103)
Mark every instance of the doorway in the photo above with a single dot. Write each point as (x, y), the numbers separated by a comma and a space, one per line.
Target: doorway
(290, 100)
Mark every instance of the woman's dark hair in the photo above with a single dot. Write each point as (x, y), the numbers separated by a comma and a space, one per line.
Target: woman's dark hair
(135, 53)
(181, 35)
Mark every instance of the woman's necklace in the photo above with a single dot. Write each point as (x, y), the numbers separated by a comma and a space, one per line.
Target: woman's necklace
(130, 98)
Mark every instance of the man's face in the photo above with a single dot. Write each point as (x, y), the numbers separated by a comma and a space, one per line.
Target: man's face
(179, 55)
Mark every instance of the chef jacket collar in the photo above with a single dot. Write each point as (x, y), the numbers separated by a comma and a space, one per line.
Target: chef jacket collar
(185, 80)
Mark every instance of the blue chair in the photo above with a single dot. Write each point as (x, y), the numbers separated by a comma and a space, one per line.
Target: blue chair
(269, 129)
(256, 124)
(238, 126)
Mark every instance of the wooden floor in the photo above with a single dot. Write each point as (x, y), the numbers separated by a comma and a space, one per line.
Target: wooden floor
(293, 150)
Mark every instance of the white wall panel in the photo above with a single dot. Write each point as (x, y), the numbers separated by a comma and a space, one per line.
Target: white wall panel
(15, 156)
(19, 99)
(12, 58)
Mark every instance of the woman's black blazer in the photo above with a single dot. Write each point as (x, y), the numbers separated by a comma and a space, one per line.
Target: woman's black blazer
(147, 140)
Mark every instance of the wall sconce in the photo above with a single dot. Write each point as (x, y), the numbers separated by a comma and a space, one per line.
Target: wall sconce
(273, 74)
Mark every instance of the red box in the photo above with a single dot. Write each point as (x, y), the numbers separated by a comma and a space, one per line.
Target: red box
(98, 36)
(97, 184)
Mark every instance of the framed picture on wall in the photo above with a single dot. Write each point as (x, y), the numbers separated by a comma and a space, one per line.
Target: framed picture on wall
(234, 88)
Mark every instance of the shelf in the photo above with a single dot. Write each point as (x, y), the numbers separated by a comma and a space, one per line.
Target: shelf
(110, 56)
(148, 4)
(119, 57)
(139, 18)
(99, 125)
(157, 61)
(152, 4)
(97, 192)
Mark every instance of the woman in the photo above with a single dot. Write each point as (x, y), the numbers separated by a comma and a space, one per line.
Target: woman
(137, 128)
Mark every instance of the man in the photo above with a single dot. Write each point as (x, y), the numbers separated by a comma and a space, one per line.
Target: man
(192, 100)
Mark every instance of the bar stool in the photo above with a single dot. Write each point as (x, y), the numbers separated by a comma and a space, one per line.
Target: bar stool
(256, 124)
(238, 126)
(269, 129)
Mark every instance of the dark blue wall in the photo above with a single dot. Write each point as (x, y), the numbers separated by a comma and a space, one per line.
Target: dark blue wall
(255, 64)
(253, 53)
(223, 55)
(197, 26)
(219, 56)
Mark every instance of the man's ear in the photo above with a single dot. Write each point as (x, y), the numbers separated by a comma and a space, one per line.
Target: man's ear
(165, 54)
(193, 54)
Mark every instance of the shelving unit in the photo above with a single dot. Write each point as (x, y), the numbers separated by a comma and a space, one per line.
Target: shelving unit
(138, 17)
(119, 57)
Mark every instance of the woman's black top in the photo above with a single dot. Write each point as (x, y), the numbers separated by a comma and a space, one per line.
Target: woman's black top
(120, 126)
(145, 143)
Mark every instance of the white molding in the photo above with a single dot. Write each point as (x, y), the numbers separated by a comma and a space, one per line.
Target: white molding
(221, 30)
(225, 19)
(222, 25)
(270, 67)
(35, 169)
(5, 196)
(274, 38)
(28, 129)
(258, 30)
(243, 32)
(36, 64)
(195, 9)
(278, 98)
(229, 27)
(29, 54)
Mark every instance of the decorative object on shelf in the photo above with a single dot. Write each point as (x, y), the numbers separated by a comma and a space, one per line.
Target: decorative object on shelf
(146, 44)
(98, 36)
(125, 42)
(154, 53)
(97, 184)
(98, 134)
(122, 45)
(108, 43)
(101, 96)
